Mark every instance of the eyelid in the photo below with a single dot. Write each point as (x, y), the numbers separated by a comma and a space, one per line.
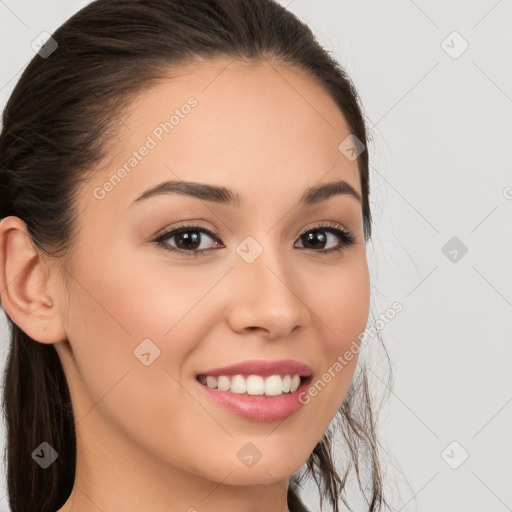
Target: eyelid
(193, 224)
(323, 224)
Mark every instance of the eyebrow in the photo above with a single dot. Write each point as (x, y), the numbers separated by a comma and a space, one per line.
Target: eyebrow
(224, 196)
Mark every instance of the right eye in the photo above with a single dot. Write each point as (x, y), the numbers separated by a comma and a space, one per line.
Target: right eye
(189, 237)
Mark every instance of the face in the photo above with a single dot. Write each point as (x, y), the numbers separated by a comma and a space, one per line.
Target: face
(252, 283)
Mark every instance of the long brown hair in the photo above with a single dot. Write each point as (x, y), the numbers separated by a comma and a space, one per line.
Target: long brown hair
(55, 125)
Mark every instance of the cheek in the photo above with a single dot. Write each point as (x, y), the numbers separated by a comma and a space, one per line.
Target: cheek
(348, 305)
(342, 307)
(116, 305)
(342, 302)
(147, 299)
(109, 318)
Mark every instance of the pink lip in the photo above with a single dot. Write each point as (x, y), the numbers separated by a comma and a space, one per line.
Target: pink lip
(259, 407)
(263, 368)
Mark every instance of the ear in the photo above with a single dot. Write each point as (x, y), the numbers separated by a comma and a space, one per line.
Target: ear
(24, 285)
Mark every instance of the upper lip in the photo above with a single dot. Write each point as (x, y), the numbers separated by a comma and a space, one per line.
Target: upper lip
(263, 368)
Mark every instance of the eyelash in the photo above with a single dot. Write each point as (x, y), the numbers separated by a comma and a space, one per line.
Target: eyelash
(346, 236)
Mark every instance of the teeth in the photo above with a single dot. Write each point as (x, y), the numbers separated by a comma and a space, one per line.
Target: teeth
(223, 383)
(286, 383)
(238, 384)
(273, 385)
(295, 383)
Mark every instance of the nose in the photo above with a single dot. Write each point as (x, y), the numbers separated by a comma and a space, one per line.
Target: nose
(267, 297)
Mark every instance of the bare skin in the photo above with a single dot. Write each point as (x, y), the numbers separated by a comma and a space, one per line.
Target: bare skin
(148, 437)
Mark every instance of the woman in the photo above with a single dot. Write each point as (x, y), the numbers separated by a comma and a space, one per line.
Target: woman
(185, 206)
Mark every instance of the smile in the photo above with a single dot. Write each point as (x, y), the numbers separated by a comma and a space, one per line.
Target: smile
(273, 385)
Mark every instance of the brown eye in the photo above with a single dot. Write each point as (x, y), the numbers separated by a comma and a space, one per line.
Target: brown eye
(316, 238)
(188, 240)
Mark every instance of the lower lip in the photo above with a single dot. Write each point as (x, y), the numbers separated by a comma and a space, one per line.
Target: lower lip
(258, 407)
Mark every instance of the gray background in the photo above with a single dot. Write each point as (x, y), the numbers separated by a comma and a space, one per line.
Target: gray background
(441, 168)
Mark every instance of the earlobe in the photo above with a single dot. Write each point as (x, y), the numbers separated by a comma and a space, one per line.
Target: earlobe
(24, 284)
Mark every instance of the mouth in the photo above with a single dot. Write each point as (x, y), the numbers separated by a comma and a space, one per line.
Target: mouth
(255, 385)
(255, 397)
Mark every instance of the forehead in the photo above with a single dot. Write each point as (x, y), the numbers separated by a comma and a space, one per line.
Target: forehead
(261, 129)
